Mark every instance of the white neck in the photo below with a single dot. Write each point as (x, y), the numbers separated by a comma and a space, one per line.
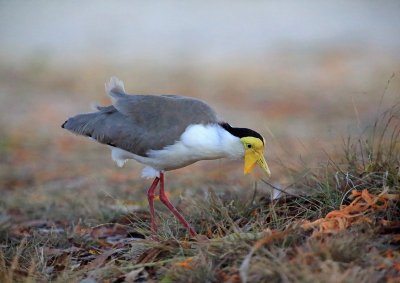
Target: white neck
(212, 141)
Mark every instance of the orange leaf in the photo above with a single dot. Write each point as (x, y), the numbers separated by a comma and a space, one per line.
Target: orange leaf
(187, 263)
(396, 266)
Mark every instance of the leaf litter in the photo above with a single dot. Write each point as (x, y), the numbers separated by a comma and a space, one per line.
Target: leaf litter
(312, 238)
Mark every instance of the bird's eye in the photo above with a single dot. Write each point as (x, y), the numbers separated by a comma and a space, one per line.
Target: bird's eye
(249, 146)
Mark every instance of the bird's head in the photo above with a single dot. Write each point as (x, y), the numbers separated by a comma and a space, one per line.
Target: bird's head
(253, 144)
(254, 154)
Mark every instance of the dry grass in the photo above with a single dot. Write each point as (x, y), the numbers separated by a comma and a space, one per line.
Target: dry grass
(67, 214)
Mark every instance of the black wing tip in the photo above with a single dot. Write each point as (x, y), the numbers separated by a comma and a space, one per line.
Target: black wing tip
(63, 125)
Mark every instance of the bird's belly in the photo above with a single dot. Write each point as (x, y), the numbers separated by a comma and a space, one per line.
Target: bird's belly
(170, 158)
(178, 156)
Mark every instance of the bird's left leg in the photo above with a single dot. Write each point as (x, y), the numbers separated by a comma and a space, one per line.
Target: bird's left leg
(150, 198)
(164, 199)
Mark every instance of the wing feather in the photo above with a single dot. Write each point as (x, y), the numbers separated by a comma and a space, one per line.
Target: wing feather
(139, 123)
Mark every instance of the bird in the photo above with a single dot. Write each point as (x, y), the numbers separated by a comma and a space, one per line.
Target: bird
(164, 133)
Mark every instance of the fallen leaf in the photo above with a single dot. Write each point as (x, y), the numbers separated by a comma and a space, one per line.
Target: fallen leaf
(149, 255)
(186, 263)
(134, 275)
(106, 230)
(101, 259)
(348, 215)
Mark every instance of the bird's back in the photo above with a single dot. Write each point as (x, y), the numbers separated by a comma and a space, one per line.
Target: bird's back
(139, 123)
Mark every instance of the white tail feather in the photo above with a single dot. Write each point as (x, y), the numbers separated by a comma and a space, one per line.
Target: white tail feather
(149, 172)
(114, 87)
(118, 156)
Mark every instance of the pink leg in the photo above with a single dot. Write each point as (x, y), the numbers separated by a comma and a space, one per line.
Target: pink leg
(176, 213)
(150, 198)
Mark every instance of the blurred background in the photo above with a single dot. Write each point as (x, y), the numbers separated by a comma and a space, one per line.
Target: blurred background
(305, 74)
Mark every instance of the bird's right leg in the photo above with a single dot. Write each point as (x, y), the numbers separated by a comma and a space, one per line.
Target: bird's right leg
(164, 199)
(150, 198)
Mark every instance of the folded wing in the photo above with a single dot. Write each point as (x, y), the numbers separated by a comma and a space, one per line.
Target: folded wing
(139, 123)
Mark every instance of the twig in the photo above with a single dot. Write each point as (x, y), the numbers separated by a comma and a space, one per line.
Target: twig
(283, 191)
(148, 264)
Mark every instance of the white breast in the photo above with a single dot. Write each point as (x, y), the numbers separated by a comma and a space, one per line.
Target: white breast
(198, 142)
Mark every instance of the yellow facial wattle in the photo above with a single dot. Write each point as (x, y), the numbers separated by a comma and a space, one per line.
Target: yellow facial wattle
(254, 154)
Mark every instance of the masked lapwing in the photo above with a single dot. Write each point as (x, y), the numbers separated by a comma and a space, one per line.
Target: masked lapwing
(164, 133)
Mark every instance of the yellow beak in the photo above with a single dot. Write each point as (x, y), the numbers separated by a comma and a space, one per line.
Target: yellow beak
(251, 158)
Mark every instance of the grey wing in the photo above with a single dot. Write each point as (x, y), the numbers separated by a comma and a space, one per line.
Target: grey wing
(106, 126)
(138, 123)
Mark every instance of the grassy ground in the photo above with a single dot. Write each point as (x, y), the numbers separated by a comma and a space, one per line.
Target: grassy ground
(68, 214)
